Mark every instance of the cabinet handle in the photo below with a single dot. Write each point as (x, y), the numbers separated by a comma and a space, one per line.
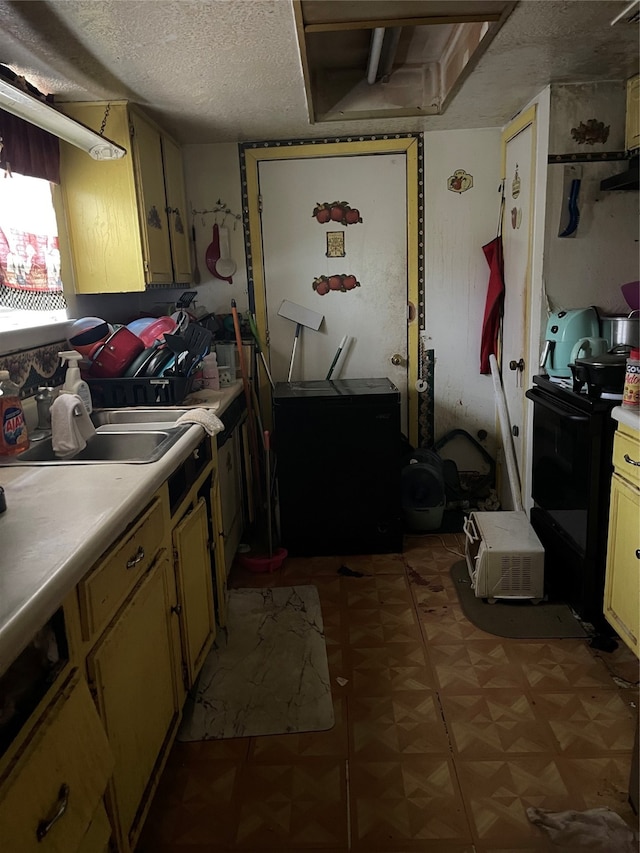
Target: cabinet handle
(137, 558)
(631, 461)
(58, 810)
(637, 553)
(177, 609)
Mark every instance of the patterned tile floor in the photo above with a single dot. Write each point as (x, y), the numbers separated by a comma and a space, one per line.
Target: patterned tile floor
(444, 734)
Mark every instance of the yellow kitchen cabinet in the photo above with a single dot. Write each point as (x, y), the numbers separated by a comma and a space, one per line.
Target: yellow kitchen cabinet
(192, 562)
(98, 837)
(221, 569)
(51, 798)
(133, 678)
(231, 489)
(622, 580)
(126, 219)
(632, 134)
(105, 588)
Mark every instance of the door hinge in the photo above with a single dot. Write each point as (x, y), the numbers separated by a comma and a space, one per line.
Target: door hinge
(260, 203)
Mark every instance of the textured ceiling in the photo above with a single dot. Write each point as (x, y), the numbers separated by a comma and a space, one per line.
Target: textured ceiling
(230, 70)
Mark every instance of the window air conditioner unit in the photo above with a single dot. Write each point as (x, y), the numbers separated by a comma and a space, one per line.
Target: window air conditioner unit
(504, 556)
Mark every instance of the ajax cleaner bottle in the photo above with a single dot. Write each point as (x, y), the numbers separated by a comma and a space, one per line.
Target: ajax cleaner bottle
(13, 428)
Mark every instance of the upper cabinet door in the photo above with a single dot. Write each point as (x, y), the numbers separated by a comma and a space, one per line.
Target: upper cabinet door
(101, 208)
(177, 211)
(126, 219)
(152, 203)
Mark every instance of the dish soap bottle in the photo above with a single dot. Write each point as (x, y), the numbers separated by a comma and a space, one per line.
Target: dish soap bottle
(73, 382)
(13, 428)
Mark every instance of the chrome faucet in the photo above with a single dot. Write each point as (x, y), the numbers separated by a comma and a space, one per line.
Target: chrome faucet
(44, 398)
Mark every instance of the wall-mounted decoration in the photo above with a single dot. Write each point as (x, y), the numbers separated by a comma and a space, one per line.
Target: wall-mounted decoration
(460, 181)
(335, 244)
(591, 132)
(324, 283)
(220, 208)
(515, 184)
(153, 218)
(516, 217)
(336, 211)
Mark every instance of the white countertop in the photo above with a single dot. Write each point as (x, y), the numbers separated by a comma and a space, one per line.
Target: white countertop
(630, 417)
(60, 520)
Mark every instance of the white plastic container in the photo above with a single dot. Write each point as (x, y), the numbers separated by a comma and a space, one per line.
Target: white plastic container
(210, 372)
(73, 382)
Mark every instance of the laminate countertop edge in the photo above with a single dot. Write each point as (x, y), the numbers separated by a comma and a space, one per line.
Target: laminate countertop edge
(629, 417)
(61, 519)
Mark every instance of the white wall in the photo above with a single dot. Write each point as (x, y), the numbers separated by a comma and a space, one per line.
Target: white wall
(456, 274)
(212, 172)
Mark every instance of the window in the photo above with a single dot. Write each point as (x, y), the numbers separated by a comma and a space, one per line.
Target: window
(31, 291)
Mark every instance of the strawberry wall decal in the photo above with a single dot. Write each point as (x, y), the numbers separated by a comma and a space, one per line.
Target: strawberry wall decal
(323, 283)
(336, 211)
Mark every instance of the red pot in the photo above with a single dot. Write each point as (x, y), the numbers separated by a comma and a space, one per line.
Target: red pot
(112, 358)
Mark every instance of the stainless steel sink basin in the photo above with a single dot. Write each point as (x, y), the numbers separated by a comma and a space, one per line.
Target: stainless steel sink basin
(114, 444)
(150, 415)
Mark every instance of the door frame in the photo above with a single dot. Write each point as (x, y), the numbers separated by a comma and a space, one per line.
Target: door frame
(409, 145)
(528, 118)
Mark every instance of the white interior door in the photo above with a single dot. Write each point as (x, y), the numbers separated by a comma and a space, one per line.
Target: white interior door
(297, 251)
(517, 230)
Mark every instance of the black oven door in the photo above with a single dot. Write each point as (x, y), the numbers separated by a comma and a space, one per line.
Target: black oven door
(562, 447)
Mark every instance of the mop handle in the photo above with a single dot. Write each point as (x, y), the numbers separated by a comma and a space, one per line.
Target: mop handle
(336, 356)
(293, 351)
(253, 439)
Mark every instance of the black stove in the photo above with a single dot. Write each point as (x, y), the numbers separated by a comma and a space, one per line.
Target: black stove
(571, 479)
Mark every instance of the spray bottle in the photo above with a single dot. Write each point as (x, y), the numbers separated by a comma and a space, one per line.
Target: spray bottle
(73, 382)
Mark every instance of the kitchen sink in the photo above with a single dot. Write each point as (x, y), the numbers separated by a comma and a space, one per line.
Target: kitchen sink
(138, 416)
(130, 443)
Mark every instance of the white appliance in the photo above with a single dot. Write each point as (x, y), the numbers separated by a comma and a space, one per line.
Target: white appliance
(504, 556)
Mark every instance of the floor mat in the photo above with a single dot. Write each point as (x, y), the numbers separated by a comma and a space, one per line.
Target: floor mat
(518, 619)
(268, 673)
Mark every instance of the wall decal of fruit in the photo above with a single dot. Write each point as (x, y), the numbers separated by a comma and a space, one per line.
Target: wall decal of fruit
(336, 211)
(323, 283)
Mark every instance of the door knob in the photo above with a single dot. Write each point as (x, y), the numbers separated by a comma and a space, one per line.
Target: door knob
(397, 360)
(516, 365)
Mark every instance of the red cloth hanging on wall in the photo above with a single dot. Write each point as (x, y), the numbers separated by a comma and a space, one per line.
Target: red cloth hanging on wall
(494, 304)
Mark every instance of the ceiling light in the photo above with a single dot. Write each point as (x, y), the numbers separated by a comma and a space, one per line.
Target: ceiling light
(25, 106)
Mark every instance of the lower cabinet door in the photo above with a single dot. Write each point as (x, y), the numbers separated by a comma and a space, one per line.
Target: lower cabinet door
(98, 836)
(195, 588)
(230, 479)
(622, 580)
(48, 802)
(133, 673)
